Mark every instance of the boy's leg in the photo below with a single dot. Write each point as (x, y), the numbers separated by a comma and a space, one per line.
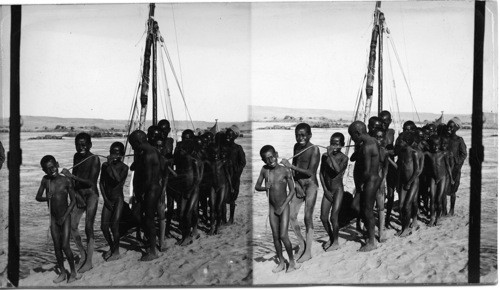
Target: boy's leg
(433, 201)
(66, 232)
(380, 207)
(150, 202)
(274, 221)
(76, 216)
(161, 222)
(367, 202)
(57, 236)
(311, 193)
(295, 205)
(284, 220)
(334, 218)
(91, 211)
(105, 226)
(410, 196)
(440, 191)
(326, 206)
(213, 210)
(190, 213)
(232, 204)
(183, 220)
(115, 228)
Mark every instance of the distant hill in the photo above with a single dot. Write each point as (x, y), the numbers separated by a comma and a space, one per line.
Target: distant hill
(264, 114)
(42, 123)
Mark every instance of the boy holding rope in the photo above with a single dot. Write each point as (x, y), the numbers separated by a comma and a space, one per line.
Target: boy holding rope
(305, 166)
(58, 188)
(277, 179)
(86, 167)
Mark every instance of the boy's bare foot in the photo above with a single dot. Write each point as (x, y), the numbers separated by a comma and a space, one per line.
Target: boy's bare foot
(74, 277)
(107, 254)
(114, 256)
(83, 257)
(149, 257)
(187, 241)
(326, 245)
(279, 268)
(302, 248)
(367, 248)
(306, 256)
(432, 222)
(333, 247)
(415, 225)
(85, 267)
(212, 231)
(405, 233)
(292, 267)
(382, 237)
(62, 277)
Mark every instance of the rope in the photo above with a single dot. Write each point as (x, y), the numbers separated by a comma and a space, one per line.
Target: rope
(177, 44)
(404, 76)
(175, 76)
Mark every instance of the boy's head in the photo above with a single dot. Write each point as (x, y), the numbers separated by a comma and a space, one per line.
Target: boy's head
(137, 138)
(160, 145)
(49, 165)
(116, 151)
(356, 130)
(83, 143)
(164, 126)
(154, 133)
(374, 123)
(337, 141)
(453, 125)
(303, 133)
(442, 130)
(409, 126)
(232, 133)
(434, 143)
(432, 129)
(445, 141)
(418, 134)
(379, 135)
(269, 156)
(406, 138)
(187, 134)
(385, 116)
(187, 146)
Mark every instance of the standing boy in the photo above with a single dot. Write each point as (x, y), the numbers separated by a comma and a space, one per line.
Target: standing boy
(113, 175)
(331, 173)
(237, 159)
(86, 167)
(458, 149)
(58, 188)
(304, 166)
(277, 178)
(368, 162)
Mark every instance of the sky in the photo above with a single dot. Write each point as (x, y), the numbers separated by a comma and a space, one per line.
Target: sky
(84, 60)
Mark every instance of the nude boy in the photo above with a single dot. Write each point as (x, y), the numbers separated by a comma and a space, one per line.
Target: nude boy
(331, 173)
(113, 175)
(391, 178)
(277, 178)
(439, 176)
(368, 160)
(305, 167)
(408, 172)
(58, 188)
(86, 167)
(147, 186)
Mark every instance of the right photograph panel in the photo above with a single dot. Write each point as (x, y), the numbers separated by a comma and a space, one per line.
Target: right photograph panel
(361, 130)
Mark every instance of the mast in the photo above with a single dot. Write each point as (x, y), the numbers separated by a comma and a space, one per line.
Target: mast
(155, 80)
(371, 62)
(476, 154)
(380, 60)
(145, 68)
(14, 156)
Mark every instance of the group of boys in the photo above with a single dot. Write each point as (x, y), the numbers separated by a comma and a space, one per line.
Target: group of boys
(423, 166)
(202, 168)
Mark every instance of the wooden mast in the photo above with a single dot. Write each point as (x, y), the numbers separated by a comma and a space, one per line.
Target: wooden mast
(476, 153)
(146, 68)
(14, 156)
(371, 63)
(380, 61)
(155, 95)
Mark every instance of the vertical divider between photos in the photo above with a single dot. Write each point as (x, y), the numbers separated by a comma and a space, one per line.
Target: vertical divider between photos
(14, 157)
(476, 153)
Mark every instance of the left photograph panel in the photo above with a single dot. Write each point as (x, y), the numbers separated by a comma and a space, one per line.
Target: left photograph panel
(136, 145)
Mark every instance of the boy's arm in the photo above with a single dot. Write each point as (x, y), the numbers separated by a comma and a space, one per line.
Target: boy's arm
(87, 182)
(242, 161)
(228, 177)
(369, 151)
(415, 170)
(313, 164)
(321, 178)
(261, 178)
(102, 187)
(385, 166)
(462, 152)
(448, 168)
(41, 189)
(72, 202)
(291, 193)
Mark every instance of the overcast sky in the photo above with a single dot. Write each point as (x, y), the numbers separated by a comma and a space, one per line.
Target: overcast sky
(84, 60)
